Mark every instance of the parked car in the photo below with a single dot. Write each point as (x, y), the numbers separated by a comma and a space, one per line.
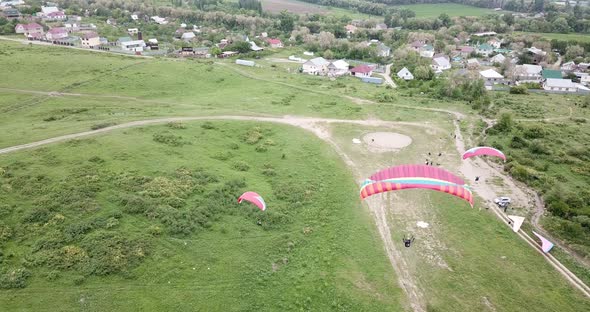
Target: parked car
(502, 200)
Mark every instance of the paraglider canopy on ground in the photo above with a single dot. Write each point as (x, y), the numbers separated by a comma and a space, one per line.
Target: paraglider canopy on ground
(254, 198)
(483, 150)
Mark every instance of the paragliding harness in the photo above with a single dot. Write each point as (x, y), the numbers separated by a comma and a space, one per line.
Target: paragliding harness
(408, 241)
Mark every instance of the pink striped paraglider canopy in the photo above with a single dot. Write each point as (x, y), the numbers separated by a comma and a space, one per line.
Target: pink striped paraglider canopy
(483, 150)
(254, 198)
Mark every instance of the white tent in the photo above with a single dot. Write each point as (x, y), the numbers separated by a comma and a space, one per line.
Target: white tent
(516, 222)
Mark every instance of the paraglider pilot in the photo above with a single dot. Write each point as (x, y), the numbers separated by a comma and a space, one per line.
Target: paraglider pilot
(408, 241)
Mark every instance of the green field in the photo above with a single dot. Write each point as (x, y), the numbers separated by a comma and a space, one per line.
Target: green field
(146, 218)
(551, 36)
(155, 225)
(452, 9)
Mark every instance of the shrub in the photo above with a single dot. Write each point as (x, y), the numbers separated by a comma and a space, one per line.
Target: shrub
(253, 135)
(154, 230)
(96, 160)
(168, 139)
(534, 132)
(15, 278)
(241, 165)
(261, 148)
(111, 253)
(208, 125)
(5, 233)
(175, 125)
(521, 89)
(518, 142)
(37, 215)
(102, 125)
(538, 148)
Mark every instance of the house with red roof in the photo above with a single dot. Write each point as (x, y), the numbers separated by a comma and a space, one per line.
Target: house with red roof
(29, 30)
(274, 43)
(466, 51)
(55, 16)
(362, 71)
(56, 33)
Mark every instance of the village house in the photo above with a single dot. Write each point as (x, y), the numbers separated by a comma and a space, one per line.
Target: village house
(159, 20)
(132, 31)
(11, 3)
(133, 45)
(494, 42)
(440, 63)
(56, 33)
(417, 45)
(472, 63)
(383, 50)
(569, 67)
(549, 73)
(538, 55)
(498, 59)
(28, 29)
(134, 17)
(491, 77)
(527, 73)
(380, 26)
(90, 40)
(71, 26)
(427, 51)
(350, 29)
(187, 36)
(484, 49)
(337, 68)
(466, 51)
(274, 43)
(405, 74)
(362, 71)
(202, 52)
(316, 66)
(560, 85)
(10, 14)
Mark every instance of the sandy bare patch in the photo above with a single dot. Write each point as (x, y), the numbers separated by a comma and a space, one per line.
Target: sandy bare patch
(386, 141)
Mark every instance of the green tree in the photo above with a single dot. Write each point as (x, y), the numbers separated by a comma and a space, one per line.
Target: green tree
(215, 51)
(505, 123)
(424, 72)
(287, 21)
(405, 14)
(573, 51)
(560, 25)
(445, 19)
(328, 54)
(539, 6)
(508, 18)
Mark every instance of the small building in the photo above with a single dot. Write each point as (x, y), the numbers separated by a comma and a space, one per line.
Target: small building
(485, 34)
(427, 51)
(491, 77)
(274, 43)
(227, 54)
(159, 20)
(569, 67)
(245, 63)
(316, 66)
(383, 50)
(550, 73)
(187, 36)
(417, 45)
(55, 16)
(338, 68)
(132, 31)
(133, 45)
(466, 51)
(90, 40)
(10, 13)
(71, 26)
(48, 9)
(537, 54)
(56, 33)
(441, 63)
(350, 29)
(255, 47)
(472, 63)
(485, 49)
(405, 74)
(585, 80)
(527, 73)
(494, 42)
(362, 71)
(498, 59)
(202, 52)
(134, 17)
(560, 85)
(380, 26)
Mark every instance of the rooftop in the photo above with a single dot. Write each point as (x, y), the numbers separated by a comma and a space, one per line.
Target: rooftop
(549, 73)
(560, 83)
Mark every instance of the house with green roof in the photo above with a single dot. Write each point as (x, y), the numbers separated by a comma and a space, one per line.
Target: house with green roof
(484, 49)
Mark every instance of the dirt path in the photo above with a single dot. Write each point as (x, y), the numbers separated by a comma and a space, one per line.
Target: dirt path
(387, 76)
(474, 167)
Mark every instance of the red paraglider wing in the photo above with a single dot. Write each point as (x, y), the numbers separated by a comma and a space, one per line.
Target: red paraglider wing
(483, 150)
(254, 198)
(416, 171)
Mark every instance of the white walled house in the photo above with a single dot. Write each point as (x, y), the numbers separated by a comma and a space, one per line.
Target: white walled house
(337, 68)
(560, 85)
(405, 74)
(528, 73)
(316, 66)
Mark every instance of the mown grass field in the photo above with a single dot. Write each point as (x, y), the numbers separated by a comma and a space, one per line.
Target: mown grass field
(147, 219)
(566, 37)
(452, 9)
